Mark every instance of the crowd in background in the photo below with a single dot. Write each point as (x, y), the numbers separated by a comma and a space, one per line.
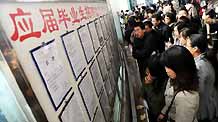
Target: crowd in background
(175, 45)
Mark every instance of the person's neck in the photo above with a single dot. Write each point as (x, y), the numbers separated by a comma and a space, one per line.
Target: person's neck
(196, 55)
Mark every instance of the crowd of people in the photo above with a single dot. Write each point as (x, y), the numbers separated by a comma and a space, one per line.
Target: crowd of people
(175, 46)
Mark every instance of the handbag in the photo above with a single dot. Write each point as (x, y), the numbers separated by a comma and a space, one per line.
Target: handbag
(167, 111)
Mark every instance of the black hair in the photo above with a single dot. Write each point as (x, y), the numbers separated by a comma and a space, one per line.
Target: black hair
(140, 24)
(150, 11)
(157, 17)
(180, 25)
(199, 41)
(167, 3)
(157, 71)
(131, 21)
(171, 16)
(136, 12)
(153, 6)
(148, 23)
(181, 61)
(189, 1)
(183, 8)
(186, 32)
(143, 7)
(184, 19)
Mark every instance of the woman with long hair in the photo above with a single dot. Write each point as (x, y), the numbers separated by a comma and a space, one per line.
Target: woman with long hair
(181, 94)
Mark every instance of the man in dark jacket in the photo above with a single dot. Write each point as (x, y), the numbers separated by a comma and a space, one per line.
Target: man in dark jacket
(162, 28)
(143, 47)
(154, 36)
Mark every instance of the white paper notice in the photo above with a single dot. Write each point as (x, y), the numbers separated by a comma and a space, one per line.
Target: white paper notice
(99, 31)
(74, 52)
(96, 75)
(102, 65)
(104, 27)
(94, 35)
(88, 94)
(107, 23)
(112, 80)
(109, 49)
(108, 87)
(53, 71)
(86, 42)
(106, 56)
(99, 117)
(72, 112)
(105, 105)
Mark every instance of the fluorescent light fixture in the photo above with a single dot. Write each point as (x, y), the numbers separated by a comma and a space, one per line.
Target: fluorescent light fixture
(34, 0)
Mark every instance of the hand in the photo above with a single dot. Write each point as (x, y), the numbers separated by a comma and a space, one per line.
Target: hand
(147, 80)
(207, 19)
(160, 117)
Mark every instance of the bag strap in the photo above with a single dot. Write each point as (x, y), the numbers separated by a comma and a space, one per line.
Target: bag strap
(171, 103)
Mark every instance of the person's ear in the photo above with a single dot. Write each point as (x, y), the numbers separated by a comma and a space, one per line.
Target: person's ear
(143, 30)
(195, 49)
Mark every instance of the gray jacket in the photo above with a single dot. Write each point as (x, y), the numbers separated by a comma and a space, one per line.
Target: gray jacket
(208, 105)
(185, 105)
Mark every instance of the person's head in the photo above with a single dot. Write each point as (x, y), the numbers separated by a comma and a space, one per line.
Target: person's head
(139, 29)
(136, 13)
(184, 35)
(143, 7)
(131, 22)
(197, 44)
(182, 12)
(168, 7)
(169, 18)
(156, 19)
(155, 70)
(184, 19)
(178, 27)
(145, 15)
(150, 12)
(180, 66)
(148, 26)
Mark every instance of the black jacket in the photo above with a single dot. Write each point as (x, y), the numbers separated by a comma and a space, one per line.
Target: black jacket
(143, 48)
(164, 31)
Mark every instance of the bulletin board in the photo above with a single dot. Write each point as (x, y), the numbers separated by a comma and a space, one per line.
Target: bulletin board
(68, 47)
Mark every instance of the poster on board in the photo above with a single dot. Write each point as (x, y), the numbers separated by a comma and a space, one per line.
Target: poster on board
(74, 52)
(96, 75)
(52, 71)
(108, 24)
(104, 102)
(94, 35)
(102, 65)
(99, 117)
(86, 42)
(87, 92)
(72, 111)
(108, 89)
(99, 31)
(104, 29)
(106, 57)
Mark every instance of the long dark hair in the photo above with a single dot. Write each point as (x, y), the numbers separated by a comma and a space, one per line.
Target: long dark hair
(181, 61)
(157, 71)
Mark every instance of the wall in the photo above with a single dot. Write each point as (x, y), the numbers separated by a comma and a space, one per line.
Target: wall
(116, 7)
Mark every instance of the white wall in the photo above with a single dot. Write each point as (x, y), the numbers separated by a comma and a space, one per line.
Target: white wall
(117, 6)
